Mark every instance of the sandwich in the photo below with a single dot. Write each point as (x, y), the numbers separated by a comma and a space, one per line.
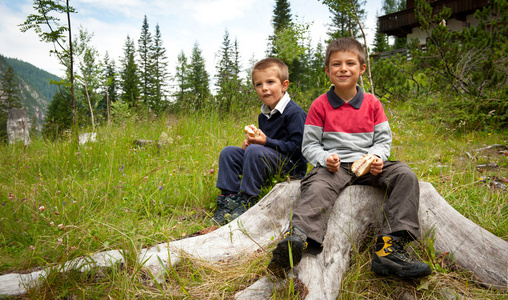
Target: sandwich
(362, 166)
(251, 130)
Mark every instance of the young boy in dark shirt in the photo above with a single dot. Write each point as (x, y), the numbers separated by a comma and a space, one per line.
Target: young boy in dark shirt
(276, 147)
(342, 126)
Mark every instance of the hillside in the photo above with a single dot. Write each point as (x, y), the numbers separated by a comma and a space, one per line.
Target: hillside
(36, 91)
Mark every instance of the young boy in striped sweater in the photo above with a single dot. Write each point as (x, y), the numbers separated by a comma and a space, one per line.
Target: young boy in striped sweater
(342, 126)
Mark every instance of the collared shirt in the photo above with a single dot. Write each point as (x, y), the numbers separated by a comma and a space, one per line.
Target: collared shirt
(336, 101)
(265, 109)
(348, 129)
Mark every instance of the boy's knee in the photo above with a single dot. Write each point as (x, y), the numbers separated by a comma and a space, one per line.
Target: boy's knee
(229, 151)
(254, 151)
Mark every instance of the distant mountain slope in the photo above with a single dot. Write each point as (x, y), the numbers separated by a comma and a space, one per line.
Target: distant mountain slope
(36, 92)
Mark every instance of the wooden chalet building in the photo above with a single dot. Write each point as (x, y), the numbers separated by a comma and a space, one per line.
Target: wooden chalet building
(404, 23)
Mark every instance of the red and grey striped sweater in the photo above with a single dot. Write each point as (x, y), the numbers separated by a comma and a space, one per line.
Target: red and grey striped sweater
(348, 129)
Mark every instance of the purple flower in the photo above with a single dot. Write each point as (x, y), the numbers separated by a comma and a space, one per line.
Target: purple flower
(160, 189)
(121, 168)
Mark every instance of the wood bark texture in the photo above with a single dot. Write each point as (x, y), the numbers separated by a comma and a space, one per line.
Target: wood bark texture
(357, 208)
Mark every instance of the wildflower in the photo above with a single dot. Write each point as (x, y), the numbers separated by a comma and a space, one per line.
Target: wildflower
(212, 171)
(63, 203)
(42, 208)
(74, 201)
(51, 224)
(61, 226)
(32, 248)
(60, 240)
(57, 213)
(58, 192)
(160, 189)
(73, 248)
(121, 168)
(3, 203)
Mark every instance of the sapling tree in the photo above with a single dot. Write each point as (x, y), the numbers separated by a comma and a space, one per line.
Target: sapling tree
(46, 23)
(353, 11)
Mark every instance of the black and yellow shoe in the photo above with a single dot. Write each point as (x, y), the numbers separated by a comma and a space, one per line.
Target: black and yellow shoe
(390, 257)
(288, 252)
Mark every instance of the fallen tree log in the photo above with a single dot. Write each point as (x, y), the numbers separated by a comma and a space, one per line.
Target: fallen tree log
(356, 209)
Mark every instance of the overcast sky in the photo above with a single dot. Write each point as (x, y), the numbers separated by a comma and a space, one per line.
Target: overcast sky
(182, 23)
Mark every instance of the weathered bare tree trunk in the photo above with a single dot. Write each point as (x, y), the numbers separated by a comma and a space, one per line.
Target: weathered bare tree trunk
(357, 208)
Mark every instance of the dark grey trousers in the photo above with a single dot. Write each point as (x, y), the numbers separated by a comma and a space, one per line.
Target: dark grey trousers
(320, 189)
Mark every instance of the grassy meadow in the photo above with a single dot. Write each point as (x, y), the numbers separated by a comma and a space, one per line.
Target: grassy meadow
(61, 200)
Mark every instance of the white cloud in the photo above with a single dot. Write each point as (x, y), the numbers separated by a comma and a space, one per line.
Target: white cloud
(215, 12)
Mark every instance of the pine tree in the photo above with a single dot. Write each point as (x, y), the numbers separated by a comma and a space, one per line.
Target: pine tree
(182, 80)
(225, 65)
(227, 74)
(282, 20)
(130, 81)
(110, 94)
(198, 78)
(159, 72)
(380, 41)
(145, 46)
(344, 23)
(60, 115)
(9, 96)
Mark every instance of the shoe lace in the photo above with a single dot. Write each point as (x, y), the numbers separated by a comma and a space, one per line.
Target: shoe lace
(398, 247)
(223, 200)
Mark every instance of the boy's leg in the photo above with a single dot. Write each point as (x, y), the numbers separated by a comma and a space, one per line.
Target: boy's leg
(319, 190)
(228, 181)
(401, 222)
(230, 168)
(401, 206)
(259, 162)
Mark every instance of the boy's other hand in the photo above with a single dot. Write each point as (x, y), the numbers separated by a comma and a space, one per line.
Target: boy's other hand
(333, 163)
(245, 144)
(377, 166)
(259, 139)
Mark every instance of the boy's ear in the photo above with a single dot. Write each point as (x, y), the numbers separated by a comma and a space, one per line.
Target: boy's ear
(285, 85)
(362, 70)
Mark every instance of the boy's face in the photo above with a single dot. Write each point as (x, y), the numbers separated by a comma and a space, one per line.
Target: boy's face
(269, 87)
(344, 70)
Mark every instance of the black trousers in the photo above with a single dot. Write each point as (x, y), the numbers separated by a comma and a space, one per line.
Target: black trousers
(320, 189)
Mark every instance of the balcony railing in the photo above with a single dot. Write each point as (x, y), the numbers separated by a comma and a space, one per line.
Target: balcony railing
(402, 22)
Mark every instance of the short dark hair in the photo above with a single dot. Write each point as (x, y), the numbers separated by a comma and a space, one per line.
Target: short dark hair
(272, 62)
(345, 44)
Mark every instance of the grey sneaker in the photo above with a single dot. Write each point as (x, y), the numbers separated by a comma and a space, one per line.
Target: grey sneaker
(245, 202)
(225, 206)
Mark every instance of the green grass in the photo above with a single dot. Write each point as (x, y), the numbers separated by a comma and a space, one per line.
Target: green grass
(112, 194)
